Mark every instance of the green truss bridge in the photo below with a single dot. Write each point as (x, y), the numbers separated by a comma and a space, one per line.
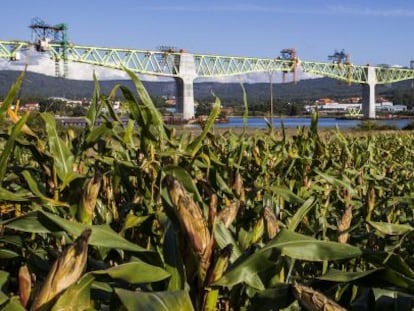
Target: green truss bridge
(186, 67)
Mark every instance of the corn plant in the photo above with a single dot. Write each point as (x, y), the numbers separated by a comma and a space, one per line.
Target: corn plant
(140, 216)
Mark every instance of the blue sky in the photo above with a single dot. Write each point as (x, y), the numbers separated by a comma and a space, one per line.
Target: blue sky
(374, 32)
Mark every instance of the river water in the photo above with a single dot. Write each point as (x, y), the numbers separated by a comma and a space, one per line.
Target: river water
(259, 122)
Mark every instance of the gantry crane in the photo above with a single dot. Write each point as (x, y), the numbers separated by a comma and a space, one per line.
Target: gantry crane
(44, 34)
(290, 55)
(342, 59)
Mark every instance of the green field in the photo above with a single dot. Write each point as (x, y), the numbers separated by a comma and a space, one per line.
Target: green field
(145, 217)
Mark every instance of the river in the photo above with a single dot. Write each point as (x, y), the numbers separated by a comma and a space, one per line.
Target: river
(289, 122)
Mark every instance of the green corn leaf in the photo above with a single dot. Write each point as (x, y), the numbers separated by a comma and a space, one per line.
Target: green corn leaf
(302, 247)
(34, 187)
(93, 111)
(129, 134)
(335, 181)
(135, 272)
(102, 235)
(286, 194)
(29, 222)
(96, 133)
(195, 145)
(390, 229)
(334, 275)
(9, 146)
(21, 196)
(390, 261)
(300, 213)
(43, 222)
(246, 108)
(278, 297)
(11, 95)
(13, 304)
(62, 156)
(8, 254)
(4, 277)
(132, 221)
(174, 264)
(155, 301)
(77, 296)
(224, 237)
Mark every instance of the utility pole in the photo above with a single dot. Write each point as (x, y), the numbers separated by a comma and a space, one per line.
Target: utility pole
(271, 97)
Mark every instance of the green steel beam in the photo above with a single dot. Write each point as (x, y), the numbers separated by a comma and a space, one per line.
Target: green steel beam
(391, 74)
(9, 49)
(167, 63)
(145, 62)
(345, 72)
(214, 65)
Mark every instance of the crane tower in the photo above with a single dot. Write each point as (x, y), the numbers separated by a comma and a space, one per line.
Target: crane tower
(44, 34)
(289, 54)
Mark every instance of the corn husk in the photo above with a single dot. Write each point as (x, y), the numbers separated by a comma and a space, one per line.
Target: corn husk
(313, 300)
(66, 270)
(238, 187)
(344, 224)
(25, 285)
(192, 223)
(88, 201)
(228, 214)
(272, 227)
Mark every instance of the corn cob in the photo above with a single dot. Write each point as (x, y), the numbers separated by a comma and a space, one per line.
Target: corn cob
(25, 285)
(66, 270)
(88, 201)
(192, 223)
(313, 300)
(272, 228)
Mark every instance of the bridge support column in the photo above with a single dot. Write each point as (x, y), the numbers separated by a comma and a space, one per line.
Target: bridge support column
(185, 97)
(185, 90)
(368, 94)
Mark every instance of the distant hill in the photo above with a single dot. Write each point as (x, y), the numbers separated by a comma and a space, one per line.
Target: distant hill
(39, 85)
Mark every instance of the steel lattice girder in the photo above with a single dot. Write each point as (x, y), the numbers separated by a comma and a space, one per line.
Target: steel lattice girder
(146, 62)
(345, 72)
(167, 63)
(389, 75)
(213, 65)
(8, 49)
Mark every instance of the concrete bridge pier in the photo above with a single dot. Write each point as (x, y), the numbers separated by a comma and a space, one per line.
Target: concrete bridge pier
(184, 82)
(368, 94)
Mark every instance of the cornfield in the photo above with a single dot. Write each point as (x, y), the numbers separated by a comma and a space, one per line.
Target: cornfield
(142, 217)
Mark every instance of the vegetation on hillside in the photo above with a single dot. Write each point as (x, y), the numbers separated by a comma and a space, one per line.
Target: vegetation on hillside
(138, 217)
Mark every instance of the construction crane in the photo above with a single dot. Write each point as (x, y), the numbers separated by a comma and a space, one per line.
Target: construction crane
(44, 34)
(340, 57)
(289, 54)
